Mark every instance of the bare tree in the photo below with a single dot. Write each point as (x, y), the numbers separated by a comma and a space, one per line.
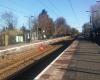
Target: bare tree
(95, 15)
(95, 20)
(74, 31)
(9, 19)
(46, 24)
(61, 27)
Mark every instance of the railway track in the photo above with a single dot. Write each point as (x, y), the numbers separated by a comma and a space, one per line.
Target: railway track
(14, 63)
(30, 72)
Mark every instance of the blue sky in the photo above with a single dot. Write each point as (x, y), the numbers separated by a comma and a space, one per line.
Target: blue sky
(55, 9)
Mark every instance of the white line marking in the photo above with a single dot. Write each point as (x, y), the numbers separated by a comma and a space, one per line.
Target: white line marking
(37, 77)
(20, 47)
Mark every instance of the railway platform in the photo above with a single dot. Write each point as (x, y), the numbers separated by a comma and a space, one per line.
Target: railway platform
(19, 44)
(80, 61)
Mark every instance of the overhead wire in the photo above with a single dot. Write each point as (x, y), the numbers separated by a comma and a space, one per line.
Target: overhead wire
(43, 4)
(12, 10)
(75, 15)
(14, 2)
(54, 6)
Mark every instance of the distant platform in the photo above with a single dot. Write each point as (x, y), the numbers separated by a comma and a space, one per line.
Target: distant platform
(19, 44)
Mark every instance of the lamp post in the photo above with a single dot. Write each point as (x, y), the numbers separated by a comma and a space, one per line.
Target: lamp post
(91, 18)
(92, 34)
(30, 27)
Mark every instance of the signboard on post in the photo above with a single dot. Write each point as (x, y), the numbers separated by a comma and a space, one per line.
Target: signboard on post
(19, 39)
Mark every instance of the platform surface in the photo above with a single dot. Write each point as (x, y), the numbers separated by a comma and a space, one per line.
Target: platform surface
(80, 61)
